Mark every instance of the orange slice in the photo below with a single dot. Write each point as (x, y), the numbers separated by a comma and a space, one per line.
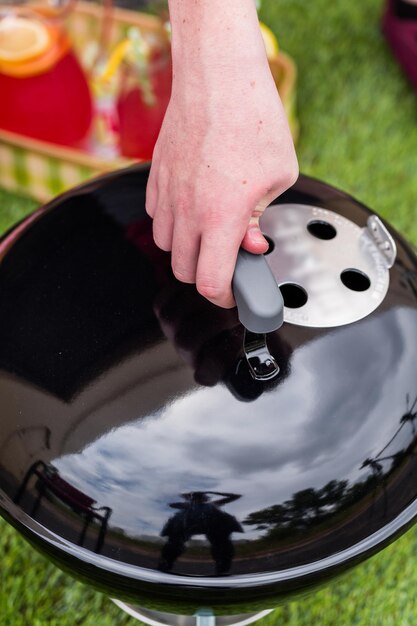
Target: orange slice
(116, 58)
(22, 39)
(28, 46)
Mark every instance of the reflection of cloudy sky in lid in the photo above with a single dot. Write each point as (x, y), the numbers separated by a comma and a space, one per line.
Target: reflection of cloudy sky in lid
(319, 425)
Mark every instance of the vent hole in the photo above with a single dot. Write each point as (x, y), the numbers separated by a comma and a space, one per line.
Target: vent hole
(355, 280)
(293, 295)
(270, 243)
(321, 229)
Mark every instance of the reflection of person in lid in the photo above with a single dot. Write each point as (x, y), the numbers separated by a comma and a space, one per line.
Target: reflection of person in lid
(199, 515)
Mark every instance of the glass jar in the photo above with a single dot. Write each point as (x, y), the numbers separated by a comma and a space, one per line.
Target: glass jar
(45, 94)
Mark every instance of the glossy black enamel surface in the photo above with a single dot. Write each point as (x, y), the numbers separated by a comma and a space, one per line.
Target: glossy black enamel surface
(136, 449)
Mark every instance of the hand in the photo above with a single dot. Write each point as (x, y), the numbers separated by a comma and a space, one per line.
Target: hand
(223, 154)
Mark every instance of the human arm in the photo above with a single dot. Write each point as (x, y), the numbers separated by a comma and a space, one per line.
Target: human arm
(224, 151)
(226, 499)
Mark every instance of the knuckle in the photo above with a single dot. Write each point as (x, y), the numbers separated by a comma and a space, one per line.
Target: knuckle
(183, 275)
(211, 290)
(288, 171)
(292, 173)
(184, 207)
(282, 174)
(214, 218)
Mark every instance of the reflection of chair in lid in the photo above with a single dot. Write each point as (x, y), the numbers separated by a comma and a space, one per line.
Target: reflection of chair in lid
(50, 482)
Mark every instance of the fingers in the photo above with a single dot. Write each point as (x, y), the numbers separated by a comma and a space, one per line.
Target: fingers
(216, 264)
(206, 254)
(152, 191)
(158, 207)
(185, 250)
(254, 241)
(205, 251)
(163, 228)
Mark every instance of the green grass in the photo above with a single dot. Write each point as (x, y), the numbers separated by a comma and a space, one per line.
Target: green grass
(13, 208)
(358, 131)
(358, 114)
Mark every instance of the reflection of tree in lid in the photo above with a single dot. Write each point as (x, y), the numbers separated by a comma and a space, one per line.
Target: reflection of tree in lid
(311, 507)
(410, 415)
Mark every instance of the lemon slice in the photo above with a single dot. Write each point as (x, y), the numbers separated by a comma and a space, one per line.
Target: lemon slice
(116, 58)
(270, 41)
(22, 39)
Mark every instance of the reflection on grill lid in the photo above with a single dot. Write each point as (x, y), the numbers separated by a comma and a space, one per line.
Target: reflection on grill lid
(138, 450)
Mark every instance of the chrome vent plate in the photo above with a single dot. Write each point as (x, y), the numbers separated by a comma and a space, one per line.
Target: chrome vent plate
(334, 271)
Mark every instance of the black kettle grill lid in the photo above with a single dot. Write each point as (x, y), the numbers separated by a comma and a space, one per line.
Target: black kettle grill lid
(134, 440)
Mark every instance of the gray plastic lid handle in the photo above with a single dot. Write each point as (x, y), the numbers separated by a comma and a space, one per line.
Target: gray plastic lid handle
(258, 297)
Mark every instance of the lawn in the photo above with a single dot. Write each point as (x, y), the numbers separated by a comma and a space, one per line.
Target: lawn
(358, 131)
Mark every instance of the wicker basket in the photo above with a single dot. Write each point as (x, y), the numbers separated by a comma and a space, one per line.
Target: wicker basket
(42, 170)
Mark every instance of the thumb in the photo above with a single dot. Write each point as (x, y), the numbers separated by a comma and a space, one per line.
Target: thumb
(254, 241)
